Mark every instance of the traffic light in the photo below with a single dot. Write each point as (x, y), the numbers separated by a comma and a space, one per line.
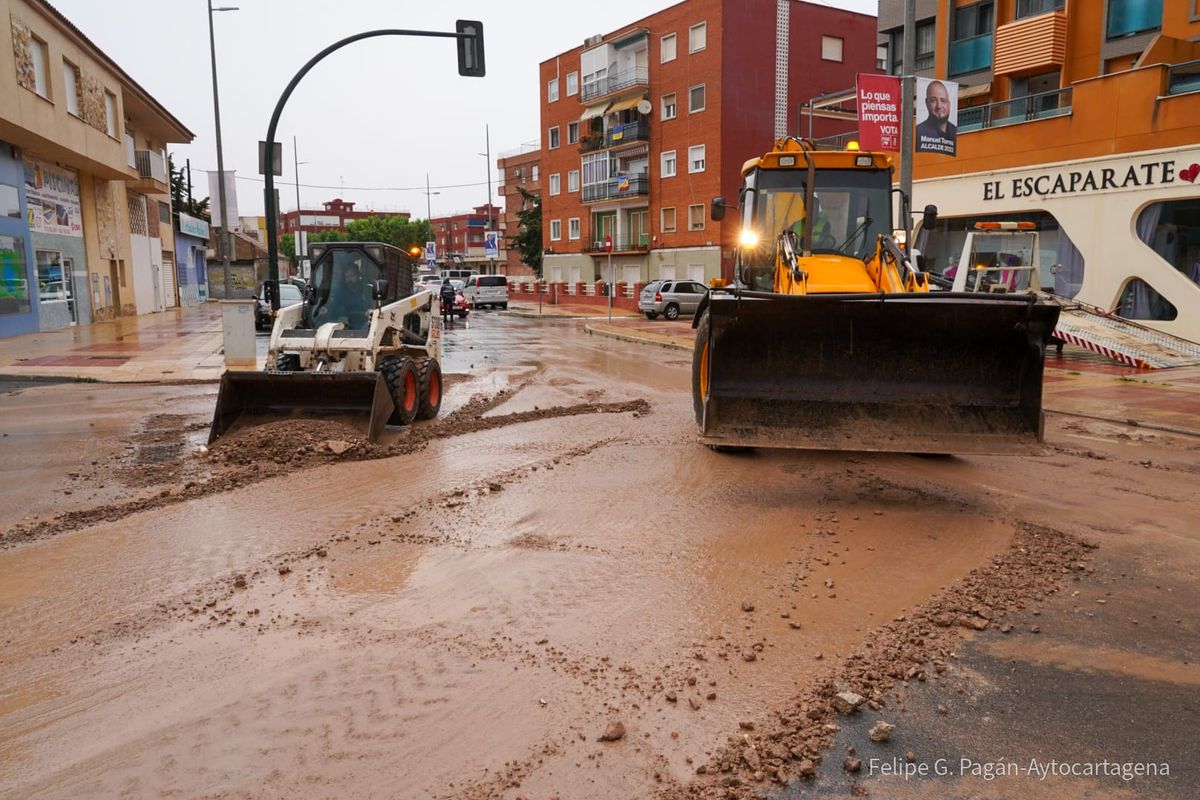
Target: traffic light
(470, 48)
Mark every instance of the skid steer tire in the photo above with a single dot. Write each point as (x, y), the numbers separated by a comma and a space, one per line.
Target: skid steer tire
(401, 377)
(429, 381)
(287, 362)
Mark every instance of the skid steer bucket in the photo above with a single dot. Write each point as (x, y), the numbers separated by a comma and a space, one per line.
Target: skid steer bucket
(913, 373)
(288, 394)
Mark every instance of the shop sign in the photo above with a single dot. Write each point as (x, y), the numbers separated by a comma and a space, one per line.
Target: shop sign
(52, 199)
(1088, 180)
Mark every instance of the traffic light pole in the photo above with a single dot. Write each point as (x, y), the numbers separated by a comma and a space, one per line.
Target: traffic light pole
(469, 35)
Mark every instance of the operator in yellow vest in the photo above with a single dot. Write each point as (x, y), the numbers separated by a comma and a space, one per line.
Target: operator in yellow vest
(822, 229)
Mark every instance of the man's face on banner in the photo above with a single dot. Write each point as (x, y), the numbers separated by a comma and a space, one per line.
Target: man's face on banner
(937, 101)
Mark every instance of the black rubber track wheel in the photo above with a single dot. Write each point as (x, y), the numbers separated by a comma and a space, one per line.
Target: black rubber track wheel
(401, 377)
(429, 382)
(287, 362)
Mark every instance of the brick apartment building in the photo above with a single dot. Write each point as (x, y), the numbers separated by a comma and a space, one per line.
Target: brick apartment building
(333, 216)
(643, 126)
(459, 239)
(1095, 107)
(520, 169)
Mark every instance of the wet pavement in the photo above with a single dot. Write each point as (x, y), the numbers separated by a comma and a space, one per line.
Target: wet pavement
(471, 606)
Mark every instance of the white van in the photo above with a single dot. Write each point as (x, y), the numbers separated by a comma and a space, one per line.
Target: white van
(487, 290)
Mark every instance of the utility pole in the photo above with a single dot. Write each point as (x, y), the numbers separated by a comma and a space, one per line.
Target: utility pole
(491, 226)
(908, 82)
(301, 245)
(224, 240)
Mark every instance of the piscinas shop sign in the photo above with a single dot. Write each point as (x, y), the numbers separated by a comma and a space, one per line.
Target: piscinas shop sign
(1094, 179)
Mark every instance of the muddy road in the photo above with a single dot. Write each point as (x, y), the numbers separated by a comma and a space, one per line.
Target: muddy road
(553, 591)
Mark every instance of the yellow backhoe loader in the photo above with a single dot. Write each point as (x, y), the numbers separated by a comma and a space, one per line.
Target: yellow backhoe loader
(363, 343)
(831, 339)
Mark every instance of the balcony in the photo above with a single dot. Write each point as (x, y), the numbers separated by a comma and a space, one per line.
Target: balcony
(971, 55)
(635, 243)
(635, 76)
(1031, 45)
(616, 136)
(1184, 78)
(617, 188)
(1014, 112)
(152, 172)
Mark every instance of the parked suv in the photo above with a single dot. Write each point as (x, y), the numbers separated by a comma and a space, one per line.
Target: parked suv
(671, 298)
(487, 290)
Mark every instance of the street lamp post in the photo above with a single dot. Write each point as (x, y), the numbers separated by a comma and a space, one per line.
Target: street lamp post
(487, 134)
(224, 240)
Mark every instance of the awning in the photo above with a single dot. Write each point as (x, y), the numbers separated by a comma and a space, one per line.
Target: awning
(625, 105)
(594, 111)
(967, 92)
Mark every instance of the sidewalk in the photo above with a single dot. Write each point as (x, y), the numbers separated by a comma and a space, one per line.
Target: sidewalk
(567, 311)
(179, 344)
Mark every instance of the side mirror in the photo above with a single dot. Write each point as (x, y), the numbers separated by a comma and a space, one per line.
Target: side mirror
(379, 290)
(929, 219)
(717, 209)
(310, 294)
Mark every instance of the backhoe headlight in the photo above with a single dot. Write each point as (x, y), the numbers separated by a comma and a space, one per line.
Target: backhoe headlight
(748, 238)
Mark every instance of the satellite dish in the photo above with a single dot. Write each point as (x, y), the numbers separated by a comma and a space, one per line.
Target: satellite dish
(644, 106)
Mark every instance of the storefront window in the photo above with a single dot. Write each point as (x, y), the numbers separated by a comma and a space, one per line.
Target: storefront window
(10, 201)
(14, 286)
(1173, 231)
(1060, 263)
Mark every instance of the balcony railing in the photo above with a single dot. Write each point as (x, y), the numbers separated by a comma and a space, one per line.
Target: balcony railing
(971, 55)
(621, 244)
(616, 188)
(630, 132)
(151, 165)
(1183, 78)
(591, 142)
(1013, 112)
(636, 76)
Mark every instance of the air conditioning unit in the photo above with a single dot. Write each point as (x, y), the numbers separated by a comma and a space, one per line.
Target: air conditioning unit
(591, 40)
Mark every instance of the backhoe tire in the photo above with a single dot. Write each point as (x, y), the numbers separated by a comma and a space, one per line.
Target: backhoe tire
(671, 312)
(700, 361)
(402, 381)
(287, 362)
(700, 367)
(429, 382)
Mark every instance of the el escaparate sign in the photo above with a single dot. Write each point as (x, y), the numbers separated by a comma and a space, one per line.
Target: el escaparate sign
(1149, 173)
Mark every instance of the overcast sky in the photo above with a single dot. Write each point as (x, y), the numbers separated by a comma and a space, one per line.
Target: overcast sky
(374, 117)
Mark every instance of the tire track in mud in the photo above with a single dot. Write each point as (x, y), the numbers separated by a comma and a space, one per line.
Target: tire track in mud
(789, 744)
(269, 450)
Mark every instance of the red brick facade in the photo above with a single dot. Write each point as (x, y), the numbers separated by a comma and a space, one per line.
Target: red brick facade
(335, 215)
(520, 171)
(736, 121)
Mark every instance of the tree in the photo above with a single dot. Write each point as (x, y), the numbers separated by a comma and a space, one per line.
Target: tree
(528, 241)
(287, 246)
(396, 231)
(179, 195)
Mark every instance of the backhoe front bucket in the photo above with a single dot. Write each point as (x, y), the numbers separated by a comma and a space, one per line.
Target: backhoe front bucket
(913, 373)
(302, 394)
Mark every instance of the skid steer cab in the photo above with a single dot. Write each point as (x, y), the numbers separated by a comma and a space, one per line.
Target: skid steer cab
(831, 338)
(363, 343)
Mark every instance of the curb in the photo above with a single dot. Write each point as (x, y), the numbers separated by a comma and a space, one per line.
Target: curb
(629, 337)
(59, 379)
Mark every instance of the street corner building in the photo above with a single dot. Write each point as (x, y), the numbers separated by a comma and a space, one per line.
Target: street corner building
(86, 226)
(1082, 118)
(641, 127)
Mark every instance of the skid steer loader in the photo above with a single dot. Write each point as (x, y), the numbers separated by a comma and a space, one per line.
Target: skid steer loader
(830, 338)
(362, 342)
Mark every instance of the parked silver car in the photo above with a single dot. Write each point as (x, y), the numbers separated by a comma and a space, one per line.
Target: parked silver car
(671, 298)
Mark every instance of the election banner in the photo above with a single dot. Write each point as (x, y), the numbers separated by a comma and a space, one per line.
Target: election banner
(491, 244)
(937, 117)
(879, 112)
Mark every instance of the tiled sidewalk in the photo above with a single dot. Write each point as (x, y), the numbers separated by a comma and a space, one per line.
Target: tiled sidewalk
(180, 344)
